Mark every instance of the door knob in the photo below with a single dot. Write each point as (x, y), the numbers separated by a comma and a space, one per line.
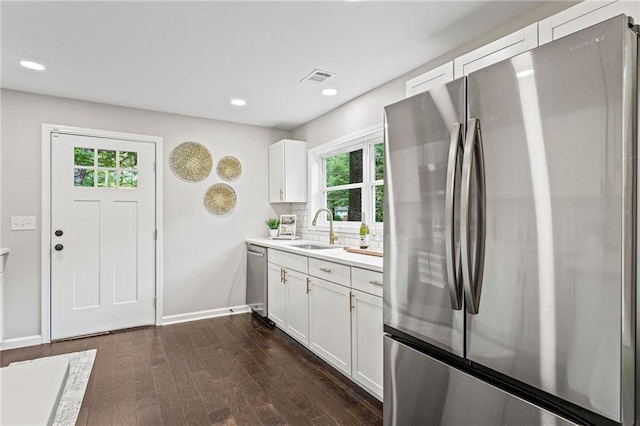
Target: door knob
(58, 247)
(58, 233)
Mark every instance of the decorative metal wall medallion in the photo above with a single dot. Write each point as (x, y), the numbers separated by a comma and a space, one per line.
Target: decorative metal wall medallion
(220, 199)
(229, 168)
(191, 162)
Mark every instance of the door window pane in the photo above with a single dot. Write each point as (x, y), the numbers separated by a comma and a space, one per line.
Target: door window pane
(83, 156)
(106, 178)
(83, 177)
(128, 159)
(379, 165)
(106, 158)
(345, 204)
(343, 169)
(128, 179)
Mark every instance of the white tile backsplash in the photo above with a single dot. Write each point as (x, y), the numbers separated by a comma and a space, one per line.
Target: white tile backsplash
(345, 238)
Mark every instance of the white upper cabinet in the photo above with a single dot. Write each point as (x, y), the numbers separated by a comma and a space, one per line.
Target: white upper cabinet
(288, 172)
(430, 79)
(584, 15)
(501, 49)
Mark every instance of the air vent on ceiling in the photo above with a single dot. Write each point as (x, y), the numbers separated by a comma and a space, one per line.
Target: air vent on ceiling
(317, 77)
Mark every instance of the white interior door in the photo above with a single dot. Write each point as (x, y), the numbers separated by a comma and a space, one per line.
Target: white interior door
(102, 242)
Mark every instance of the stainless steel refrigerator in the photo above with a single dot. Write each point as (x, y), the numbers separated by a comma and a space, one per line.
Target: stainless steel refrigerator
(510, 240)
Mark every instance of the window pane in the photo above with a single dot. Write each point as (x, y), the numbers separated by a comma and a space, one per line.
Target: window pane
(107, 178)
(128, 159)
(345, 204)
(83, 177)
(83, 156)
(379, 161)
(128, 179)
(106, 158)
(379, 203)
(343, 169)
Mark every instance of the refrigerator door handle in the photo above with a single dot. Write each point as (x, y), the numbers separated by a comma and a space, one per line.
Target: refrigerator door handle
(452, 258)
(472, 273)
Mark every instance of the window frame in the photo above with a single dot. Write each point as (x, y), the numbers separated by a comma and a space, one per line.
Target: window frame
(366, 140)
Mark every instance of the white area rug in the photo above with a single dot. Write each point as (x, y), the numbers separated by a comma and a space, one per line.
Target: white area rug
(80, 365)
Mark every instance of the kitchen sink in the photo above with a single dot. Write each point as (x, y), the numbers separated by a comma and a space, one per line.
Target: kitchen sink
(313, 247)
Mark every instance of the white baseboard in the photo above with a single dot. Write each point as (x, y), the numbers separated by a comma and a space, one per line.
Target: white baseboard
(211, 313)
(20, 342)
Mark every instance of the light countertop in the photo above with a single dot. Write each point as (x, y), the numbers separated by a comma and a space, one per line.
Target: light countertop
(4, 251)
(338, 254)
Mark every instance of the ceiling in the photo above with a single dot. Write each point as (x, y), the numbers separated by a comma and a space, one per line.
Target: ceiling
(191, 58)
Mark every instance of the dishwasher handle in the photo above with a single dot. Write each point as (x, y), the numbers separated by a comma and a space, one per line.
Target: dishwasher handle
(255, 253)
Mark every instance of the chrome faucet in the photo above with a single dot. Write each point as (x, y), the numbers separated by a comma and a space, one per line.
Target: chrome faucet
(332, 237)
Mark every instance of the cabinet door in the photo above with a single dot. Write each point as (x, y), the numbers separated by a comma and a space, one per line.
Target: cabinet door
(501, 49)
(430, 79)
(366, 342)
(297, 306)
(295, 171)
(276, 297)
(584, 15)
(330, 323)
(1, 305)
(276, 173)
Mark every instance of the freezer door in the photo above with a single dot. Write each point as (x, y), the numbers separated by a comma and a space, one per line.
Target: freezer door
(423, 157)
(556, 295)
(419, 390)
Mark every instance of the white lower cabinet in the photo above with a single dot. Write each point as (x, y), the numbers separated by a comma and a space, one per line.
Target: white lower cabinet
(366, 342)
(330, 323)
(276, 297)
(333, 309)
(296, 306)
(288, 297)
(1, 299)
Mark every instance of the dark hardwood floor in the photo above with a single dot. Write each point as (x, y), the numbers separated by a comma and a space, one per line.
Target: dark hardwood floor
(228, 370)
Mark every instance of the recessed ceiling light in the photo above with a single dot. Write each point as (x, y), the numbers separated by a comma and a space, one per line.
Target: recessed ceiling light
(238, 102)
(329, 92)
(32, 65)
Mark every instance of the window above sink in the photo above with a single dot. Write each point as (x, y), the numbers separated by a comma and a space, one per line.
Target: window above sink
(347, 177)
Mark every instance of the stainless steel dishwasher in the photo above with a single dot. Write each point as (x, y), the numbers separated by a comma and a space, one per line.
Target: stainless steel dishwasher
(257, 280)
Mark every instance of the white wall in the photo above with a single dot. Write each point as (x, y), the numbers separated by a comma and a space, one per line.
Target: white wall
(203, 254)
(367, 110)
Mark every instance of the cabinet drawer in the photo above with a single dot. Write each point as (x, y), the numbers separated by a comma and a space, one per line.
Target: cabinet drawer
(288, 260)
(330, 271)
(367, 281)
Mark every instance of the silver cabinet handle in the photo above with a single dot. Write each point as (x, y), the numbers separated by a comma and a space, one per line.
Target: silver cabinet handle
(472, 274)
(452, 275)
(376, 283)
(281, 194)
(255, 253)
(327, 270)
